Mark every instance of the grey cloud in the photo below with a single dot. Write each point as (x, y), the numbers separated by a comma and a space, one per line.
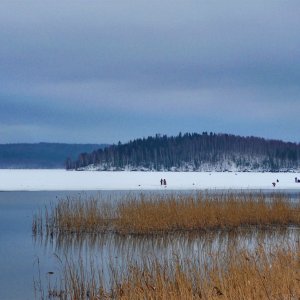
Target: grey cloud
(191, 42)
(142, 65)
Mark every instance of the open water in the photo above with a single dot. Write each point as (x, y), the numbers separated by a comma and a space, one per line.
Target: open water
(25, 259)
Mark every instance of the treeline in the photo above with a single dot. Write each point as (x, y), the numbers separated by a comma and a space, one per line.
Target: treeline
(41, 155)
(194, 152)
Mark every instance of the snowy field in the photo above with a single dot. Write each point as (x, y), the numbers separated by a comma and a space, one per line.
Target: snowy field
(57, 180)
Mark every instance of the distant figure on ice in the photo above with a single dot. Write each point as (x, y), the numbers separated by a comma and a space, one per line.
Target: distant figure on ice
(161, 182)
(277, 180)
(274, 184)
(165, 182)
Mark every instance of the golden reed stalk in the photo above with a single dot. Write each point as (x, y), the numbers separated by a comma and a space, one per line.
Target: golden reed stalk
(158, 214)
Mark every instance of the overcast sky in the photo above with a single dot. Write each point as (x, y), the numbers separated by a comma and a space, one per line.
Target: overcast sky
(104, 71)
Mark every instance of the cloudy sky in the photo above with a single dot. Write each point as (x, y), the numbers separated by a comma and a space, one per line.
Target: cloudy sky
(104, 71)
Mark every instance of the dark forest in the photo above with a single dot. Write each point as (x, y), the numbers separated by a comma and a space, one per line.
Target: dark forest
(193, 152)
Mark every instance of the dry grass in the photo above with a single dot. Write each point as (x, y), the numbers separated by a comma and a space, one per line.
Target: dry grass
(244, 277)
(204, 212)
(231, 272)
(240, 275)
(155, 214)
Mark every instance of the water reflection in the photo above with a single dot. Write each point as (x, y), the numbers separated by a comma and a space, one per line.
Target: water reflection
(19, 251)
(245, 238)
(110, 250)
(112, 255)
(184, 244)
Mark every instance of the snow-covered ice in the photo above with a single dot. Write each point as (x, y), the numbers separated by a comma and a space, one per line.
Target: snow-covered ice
(57, 180)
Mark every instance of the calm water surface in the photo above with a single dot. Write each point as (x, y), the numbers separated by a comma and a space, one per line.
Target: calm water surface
(22, 256)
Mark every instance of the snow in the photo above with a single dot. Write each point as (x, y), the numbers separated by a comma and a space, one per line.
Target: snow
(58, 180)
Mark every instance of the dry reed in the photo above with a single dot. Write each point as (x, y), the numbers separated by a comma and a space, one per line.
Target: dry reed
(154, 214)
(247, 275)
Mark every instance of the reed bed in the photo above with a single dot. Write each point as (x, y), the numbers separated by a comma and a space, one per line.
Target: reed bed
(204, 212)
(260, 274)
(160, 214)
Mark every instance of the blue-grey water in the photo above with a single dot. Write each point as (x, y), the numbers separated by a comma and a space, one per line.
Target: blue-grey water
(23, 257)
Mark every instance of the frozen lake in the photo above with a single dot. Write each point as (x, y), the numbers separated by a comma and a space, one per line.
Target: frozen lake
(61, 180)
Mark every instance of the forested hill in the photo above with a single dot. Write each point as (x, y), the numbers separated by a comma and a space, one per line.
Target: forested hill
(41, 155)
(194, 152)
